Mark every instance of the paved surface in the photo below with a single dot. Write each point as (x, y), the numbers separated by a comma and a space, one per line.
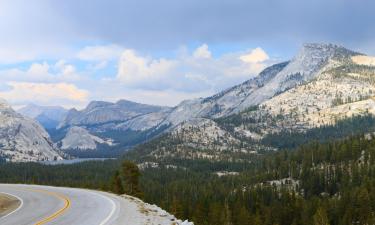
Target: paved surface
(65, 206)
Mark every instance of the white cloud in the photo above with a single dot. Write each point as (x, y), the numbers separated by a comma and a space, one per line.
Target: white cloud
(44, 93)
(64, 68)
(194, 72)
(42, 72)
(255, 60)
(38, 68)
(100, 53)
(166, 81)
(257, 55)
(202, 52)
(134, 68)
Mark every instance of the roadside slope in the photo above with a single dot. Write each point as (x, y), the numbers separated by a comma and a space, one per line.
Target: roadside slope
(8, 204)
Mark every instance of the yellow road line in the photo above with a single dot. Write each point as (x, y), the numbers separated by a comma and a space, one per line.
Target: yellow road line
(58, 212)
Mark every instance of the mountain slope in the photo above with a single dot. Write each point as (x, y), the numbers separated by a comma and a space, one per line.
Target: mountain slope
(47, 116)
(304, 67)
(223, 103)
(124, 122)
(321, 85)
(100, 112)
(80, 138)
(125, 115)
(23, 139)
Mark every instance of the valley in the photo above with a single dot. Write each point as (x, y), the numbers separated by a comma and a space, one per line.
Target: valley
(245, 112)
(301, 134)
(322, 84)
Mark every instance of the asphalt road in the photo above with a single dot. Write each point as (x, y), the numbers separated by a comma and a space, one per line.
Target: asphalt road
(65, 206)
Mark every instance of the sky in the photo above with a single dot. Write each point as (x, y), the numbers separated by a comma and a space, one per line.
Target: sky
(160, 52)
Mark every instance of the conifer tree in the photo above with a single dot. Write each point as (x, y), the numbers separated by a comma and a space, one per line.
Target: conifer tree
(131, 176)
(320, 217)
(116, 185)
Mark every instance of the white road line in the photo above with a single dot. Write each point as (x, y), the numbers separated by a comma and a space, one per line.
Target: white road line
(18, 208)
(106, 220)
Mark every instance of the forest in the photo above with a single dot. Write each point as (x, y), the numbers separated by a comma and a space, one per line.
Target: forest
(325, 183)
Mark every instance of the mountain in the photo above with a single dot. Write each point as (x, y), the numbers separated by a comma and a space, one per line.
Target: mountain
(48, 116)
(125, 123)
(79, 138)
(23, 139)
(321, 86)
(276, 79)
(100, 113)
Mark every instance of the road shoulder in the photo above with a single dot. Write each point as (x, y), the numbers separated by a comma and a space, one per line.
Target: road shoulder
(8, 204)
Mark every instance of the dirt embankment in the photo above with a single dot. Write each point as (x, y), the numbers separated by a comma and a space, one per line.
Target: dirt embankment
(8, 204)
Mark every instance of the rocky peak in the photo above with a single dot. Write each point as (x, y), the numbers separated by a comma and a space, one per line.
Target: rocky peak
(323, 51)
(23, 139)
(100, 112)
(97, 104)
(126, 103)
(80, 138)
(4, 104)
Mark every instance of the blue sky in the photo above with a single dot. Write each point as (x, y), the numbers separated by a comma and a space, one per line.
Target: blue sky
(160, 52)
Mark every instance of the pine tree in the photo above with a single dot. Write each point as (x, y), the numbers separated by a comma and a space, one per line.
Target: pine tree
(200, 216)
(131, 176)
(216, 214)
(177, 209)
(363, 207)
(116, 184)
(242, 217)
(320, 217)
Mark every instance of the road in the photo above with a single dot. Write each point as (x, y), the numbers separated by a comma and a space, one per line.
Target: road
(65, 206)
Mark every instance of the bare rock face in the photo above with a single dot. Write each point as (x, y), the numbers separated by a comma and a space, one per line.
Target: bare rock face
(79, 138)
(23, 139)
(274, 80)
(225, 102)
(99, 112)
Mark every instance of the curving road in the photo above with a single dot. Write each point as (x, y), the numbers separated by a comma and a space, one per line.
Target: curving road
(65, 206)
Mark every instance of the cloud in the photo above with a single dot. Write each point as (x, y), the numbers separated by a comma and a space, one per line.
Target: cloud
(202, 52)
(33, 31)
(43, 83)
(166, 97)
(52, 29)
(121, 51)
(5, 87)
(65, 68)
(194, 72)
(39, 68)
(100, 53)
(171, 23)
(42, 72)
(134, 69)
(44, 93)
(255, 56)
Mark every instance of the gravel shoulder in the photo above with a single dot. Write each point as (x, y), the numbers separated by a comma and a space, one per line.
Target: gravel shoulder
(8, 203)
